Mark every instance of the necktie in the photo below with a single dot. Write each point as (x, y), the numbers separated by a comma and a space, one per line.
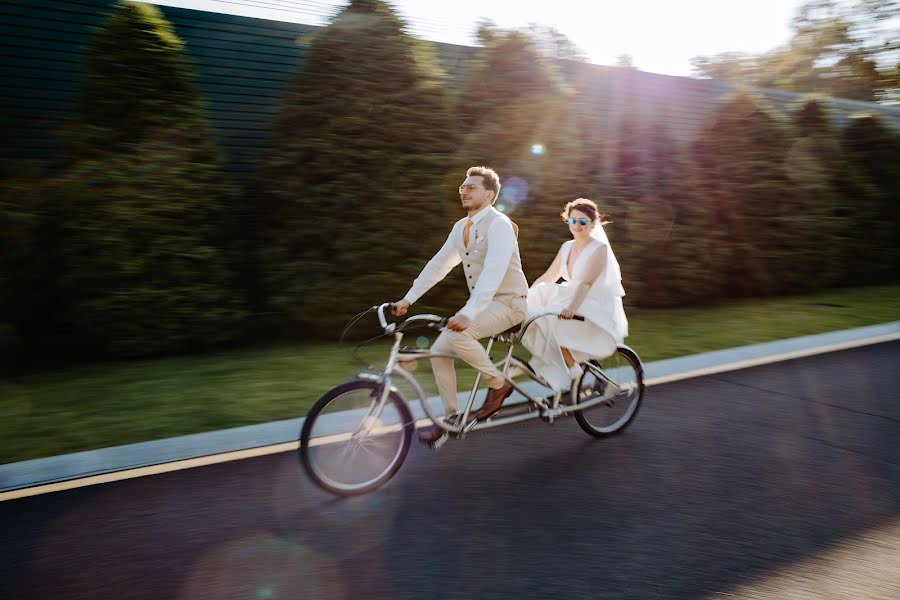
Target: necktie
(469, 224)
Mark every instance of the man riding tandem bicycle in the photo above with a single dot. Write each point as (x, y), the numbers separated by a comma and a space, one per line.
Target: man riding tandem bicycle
(356, 437)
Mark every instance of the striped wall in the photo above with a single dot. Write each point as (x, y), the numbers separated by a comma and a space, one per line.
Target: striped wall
(243, 65)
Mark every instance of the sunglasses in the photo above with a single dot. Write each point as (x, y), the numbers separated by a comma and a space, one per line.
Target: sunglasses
(580, 220)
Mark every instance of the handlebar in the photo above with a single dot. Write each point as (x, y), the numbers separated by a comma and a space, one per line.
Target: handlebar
(553, 314)
(434, 320)
(381, 319)
(527, 323)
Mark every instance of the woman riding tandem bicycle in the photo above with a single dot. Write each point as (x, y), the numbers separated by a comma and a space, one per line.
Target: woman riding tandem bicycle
(357, 435)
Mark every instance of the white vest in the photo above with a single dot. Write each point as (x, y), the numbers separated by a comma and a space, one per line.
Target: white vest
(514, 282)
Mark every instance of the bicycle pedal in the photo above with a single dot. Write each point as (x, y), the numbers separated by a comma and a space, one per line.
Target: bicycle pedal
(549, 415)
(543, 403)
(453, 419)
(436, 444)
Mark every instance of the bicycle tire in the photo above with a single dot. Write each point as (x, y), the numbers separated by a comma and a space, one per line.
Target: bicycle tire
(407, 425)
(631, 357)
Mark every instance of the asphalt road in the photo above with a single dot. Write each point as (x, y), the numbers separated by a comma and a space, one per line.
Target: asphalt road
(781, 481)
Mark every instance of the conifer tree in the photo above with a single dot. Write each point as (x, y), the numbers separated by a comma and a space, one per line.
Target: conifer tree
(142, 206)
(518, 119)
(873, 150)
(360, 146)
(740, 157)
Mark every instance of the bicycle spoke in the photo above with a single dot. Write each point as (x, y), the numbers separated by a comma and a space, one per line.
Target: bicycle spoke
(355, 438)
(365, 448)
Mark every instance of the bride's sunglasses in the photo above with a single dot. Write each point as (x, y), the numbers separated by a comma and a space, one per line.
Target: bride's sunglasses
(580, 220)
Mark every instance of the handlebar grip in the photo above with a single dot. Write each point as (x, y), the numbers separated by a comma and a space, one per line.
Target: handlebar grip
(384, 324)
(578, 318)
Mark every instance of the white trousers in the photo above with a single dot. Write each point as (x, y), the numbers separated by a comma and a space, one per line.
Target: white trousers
(502, 313)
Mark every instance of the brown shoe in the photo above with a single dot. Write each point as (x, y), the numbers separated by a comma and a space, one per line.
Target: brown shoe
(494, 401)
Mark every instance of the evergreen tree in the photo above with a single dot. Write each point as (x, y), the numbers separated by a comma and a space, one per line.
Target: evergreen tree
(740, 156)
(818, 170)
(142, 207)
(874, 151)
(648, 261)
(691, 251)
(28, 263)
(360, 146)
(595, 142)
(633, 207)
(664, 236)
(17, 219)
(518, 120)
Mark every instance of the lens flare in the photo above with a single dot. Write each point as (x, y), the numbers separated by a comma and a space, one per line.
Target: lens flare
(514, 191)
(537, 149)
(265, 567)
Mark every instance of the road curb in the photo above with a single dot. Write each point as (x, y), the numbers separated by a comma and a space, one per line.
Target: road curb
(27, 478)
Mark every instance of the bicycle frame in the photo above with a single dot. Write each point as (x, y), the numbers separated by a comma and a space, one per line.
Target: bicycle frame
(355, 458)
(526, 410)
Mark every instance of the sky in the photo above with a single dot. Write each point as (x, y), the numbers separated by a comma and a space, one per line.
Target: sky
(660, 35)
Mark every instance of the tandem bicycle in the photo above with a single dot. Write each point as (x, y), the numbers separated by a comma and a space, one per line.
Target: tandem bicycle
(356, 436)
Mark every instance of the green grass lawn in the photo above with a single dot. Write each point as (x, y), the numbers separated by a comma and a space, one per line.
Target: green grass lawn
(118, 403)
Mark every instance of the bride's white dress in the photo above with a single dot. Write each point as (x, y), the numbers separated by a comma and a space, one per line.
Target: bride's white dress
(605, 325)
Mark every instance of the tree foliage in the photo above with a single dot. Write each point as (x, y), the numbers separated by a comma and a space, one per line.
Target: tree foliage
(740, 158)
(549, 41)
(360, 145)
(17, 222)
(873, 151)
(818, 166)
(519, 120)
(840, 49)
(140, 211)
(663, 238)
(136, 80)
(127, 244)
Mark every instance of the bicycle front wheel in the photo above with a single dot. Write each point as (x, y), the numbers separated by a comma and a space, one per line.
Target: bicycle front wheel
(351, 443)
(619, 379)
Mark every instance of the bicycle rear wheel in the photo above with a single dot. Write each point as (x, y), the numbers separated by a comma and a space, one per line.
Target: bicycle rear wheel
(348, 446)
(620, 379)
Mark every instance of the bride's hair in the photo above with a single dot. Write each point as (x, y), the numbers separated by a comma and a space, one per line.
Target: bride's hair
(588, 207)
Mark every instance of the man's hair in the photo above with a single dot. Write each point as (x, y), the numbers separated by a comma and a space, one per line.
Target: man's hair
(489, 177)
